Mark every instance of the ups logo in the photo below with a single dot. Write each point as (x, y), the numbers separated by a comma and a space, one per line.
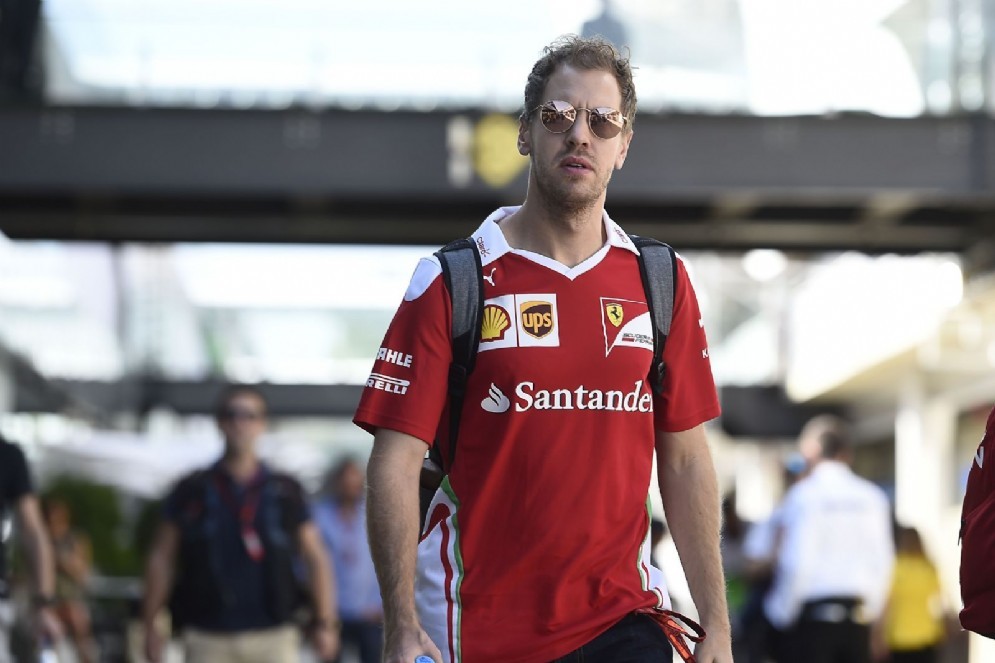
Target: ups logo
(537, 318)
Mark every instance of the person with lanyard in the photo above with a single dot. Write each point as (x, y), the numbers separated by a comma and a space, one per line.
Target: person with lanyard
(231, 536)
(17, 497)
(536, 546)
(834, 555)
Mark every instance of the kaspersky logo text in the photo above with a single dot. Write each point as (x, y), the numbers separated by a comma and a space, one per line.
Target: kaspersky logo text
(527, 397)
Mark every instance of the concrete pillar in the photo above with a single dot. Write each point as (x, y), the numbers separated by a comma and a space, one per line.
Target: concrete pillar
(925, 427)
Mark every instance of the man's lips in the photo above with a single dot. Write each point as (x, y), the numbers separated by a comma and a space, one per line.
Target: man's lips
(576, 163)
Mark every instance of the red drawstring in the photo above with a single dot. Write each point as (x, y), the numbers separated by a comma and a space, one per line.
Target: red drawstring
(673, 625)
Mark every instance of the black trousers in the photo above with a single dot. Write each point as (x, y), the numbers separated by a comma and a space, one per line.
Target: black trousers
(634, 639)
(925, 655)
(826, 642)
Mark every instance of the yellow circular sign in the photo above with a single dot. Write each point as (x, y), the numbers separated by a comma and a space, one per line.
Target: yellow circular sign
(495, 150)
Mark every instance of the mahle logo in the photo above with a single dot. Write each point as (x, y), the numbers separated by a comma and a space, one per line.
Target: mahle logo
(537, 318)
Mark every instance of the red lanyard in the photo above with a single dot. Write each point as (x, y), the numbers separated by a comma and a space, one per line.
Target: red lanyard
(245, 513)
(671, 623)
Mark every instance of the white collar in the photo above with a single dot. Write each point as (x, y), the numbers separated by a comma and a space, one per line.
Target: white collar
(492, 243)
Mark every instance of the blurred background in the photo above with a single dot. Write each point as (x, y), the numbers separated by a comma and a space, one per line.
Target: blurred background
(201, 191)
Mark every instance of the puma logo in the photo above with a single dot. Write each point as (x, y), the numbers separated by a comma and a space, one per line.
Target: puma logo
(490, 279)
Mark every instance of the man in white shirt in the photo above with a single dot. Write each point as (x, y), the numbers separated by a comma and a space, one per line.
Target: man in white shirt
(834, 560)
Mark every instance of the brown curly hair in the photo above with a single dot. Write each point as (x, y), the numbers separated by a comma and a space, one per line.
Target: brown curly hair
(587, 53)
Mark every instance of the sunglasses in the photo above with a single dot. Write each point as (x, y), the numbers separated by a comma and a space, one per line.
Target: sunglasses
(240, 414)
(558, 116)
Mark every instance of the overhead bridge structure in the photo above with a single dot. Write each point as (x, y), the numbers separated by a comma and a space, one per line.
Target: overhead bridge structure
(803, 184)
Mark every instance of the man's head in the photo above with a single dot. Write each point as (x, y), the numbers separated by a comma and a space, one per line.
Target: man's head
(586, 54)
(577, 123)
(345, 481)
(241, 417)
(825, 437)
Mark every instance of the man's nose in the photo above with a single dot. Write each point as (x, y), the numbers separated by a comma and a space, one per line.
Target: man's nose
(580, 132)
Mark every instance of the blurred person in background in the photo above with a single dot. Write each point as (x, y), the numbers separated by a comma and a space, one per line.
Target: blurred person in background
(834, 557)
(17, 497)
(73, 561)
(536, 546)
(914, 622)
(339, 514)
(735, 567)
(230, 538)
(760, 639)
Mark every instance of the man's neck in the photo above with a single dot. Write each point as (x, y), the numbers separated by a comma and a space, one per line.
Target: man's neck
(568, 237)
(241, 467)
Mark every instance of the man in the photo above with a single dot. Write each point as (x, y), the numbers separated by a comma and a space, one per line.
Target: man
(536, 546)
(17, 495)
(232, 533)
(339, 515)
(834, 557)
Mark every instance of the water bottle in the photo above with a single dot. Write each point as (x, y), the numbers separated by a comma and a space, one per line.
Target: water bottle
(47, 654)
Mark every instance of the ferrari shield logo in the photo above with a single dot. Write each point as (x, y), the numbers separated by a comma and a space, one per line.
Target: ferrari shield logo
(615, 313)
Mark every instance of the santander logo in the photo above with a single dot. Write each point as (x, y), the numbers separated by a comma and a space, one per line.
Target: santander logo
(496, 401)
(529, 397)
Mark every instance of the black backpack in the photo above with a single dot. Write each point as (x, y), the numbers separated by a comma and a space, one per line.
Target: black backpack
(462, 272)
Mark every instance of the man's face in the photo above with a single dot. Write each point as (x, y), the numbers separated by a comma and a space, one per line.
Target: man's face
(572, 169)
(242, 421)
(350, 486)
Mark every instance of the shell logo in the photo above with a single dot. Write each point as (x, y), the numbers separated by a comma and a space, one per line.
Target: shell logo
(495, 323)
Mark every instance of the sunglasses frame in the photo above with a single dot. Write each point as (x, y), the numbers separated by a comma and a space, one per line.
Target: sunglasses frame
(590, 114)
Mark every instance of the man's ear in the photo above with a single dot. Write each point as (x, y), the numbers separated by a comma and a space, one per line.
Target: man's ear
(620, 159)
(524, 137)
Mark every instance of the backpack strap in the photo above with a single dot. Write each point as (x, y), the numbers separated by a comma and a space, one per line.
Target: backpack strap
(464, 279)
(658, 269)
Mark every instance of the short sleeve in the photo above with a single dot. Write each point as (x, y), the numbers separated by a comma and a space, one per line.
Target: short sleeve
(293, 502)
(406, 390)
(17, 482)
(177, 498)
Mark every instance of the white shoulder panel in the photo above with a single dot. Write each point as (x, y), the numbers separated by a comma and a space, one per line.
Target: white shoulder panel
(426, 272)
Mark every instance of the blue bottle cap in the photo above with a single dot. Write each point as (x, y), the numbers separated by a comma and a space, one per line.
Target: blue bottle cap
(424, 659)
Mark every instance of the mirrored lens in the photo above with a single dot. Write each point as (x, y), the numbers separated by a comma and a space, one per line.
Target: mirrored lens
(559, 116)
(605, 122)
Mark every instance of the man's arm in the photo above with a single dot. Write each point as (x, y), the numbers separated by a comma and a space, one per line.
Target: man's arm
(392, 521)
(159, 568)
(38, 549)
(37, 545)
(323, 591)
(690, 496)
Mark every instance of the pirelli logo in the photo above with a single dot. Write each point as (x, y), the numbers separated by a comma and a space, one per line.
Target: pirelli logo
(387, 383)
(537, 318)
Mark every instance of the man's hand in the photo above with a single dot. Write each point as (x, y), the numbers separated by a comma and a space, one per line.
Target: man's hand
(48, 628)
(326, 641)
(716, 648)
(154, 644)
(404, 646)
